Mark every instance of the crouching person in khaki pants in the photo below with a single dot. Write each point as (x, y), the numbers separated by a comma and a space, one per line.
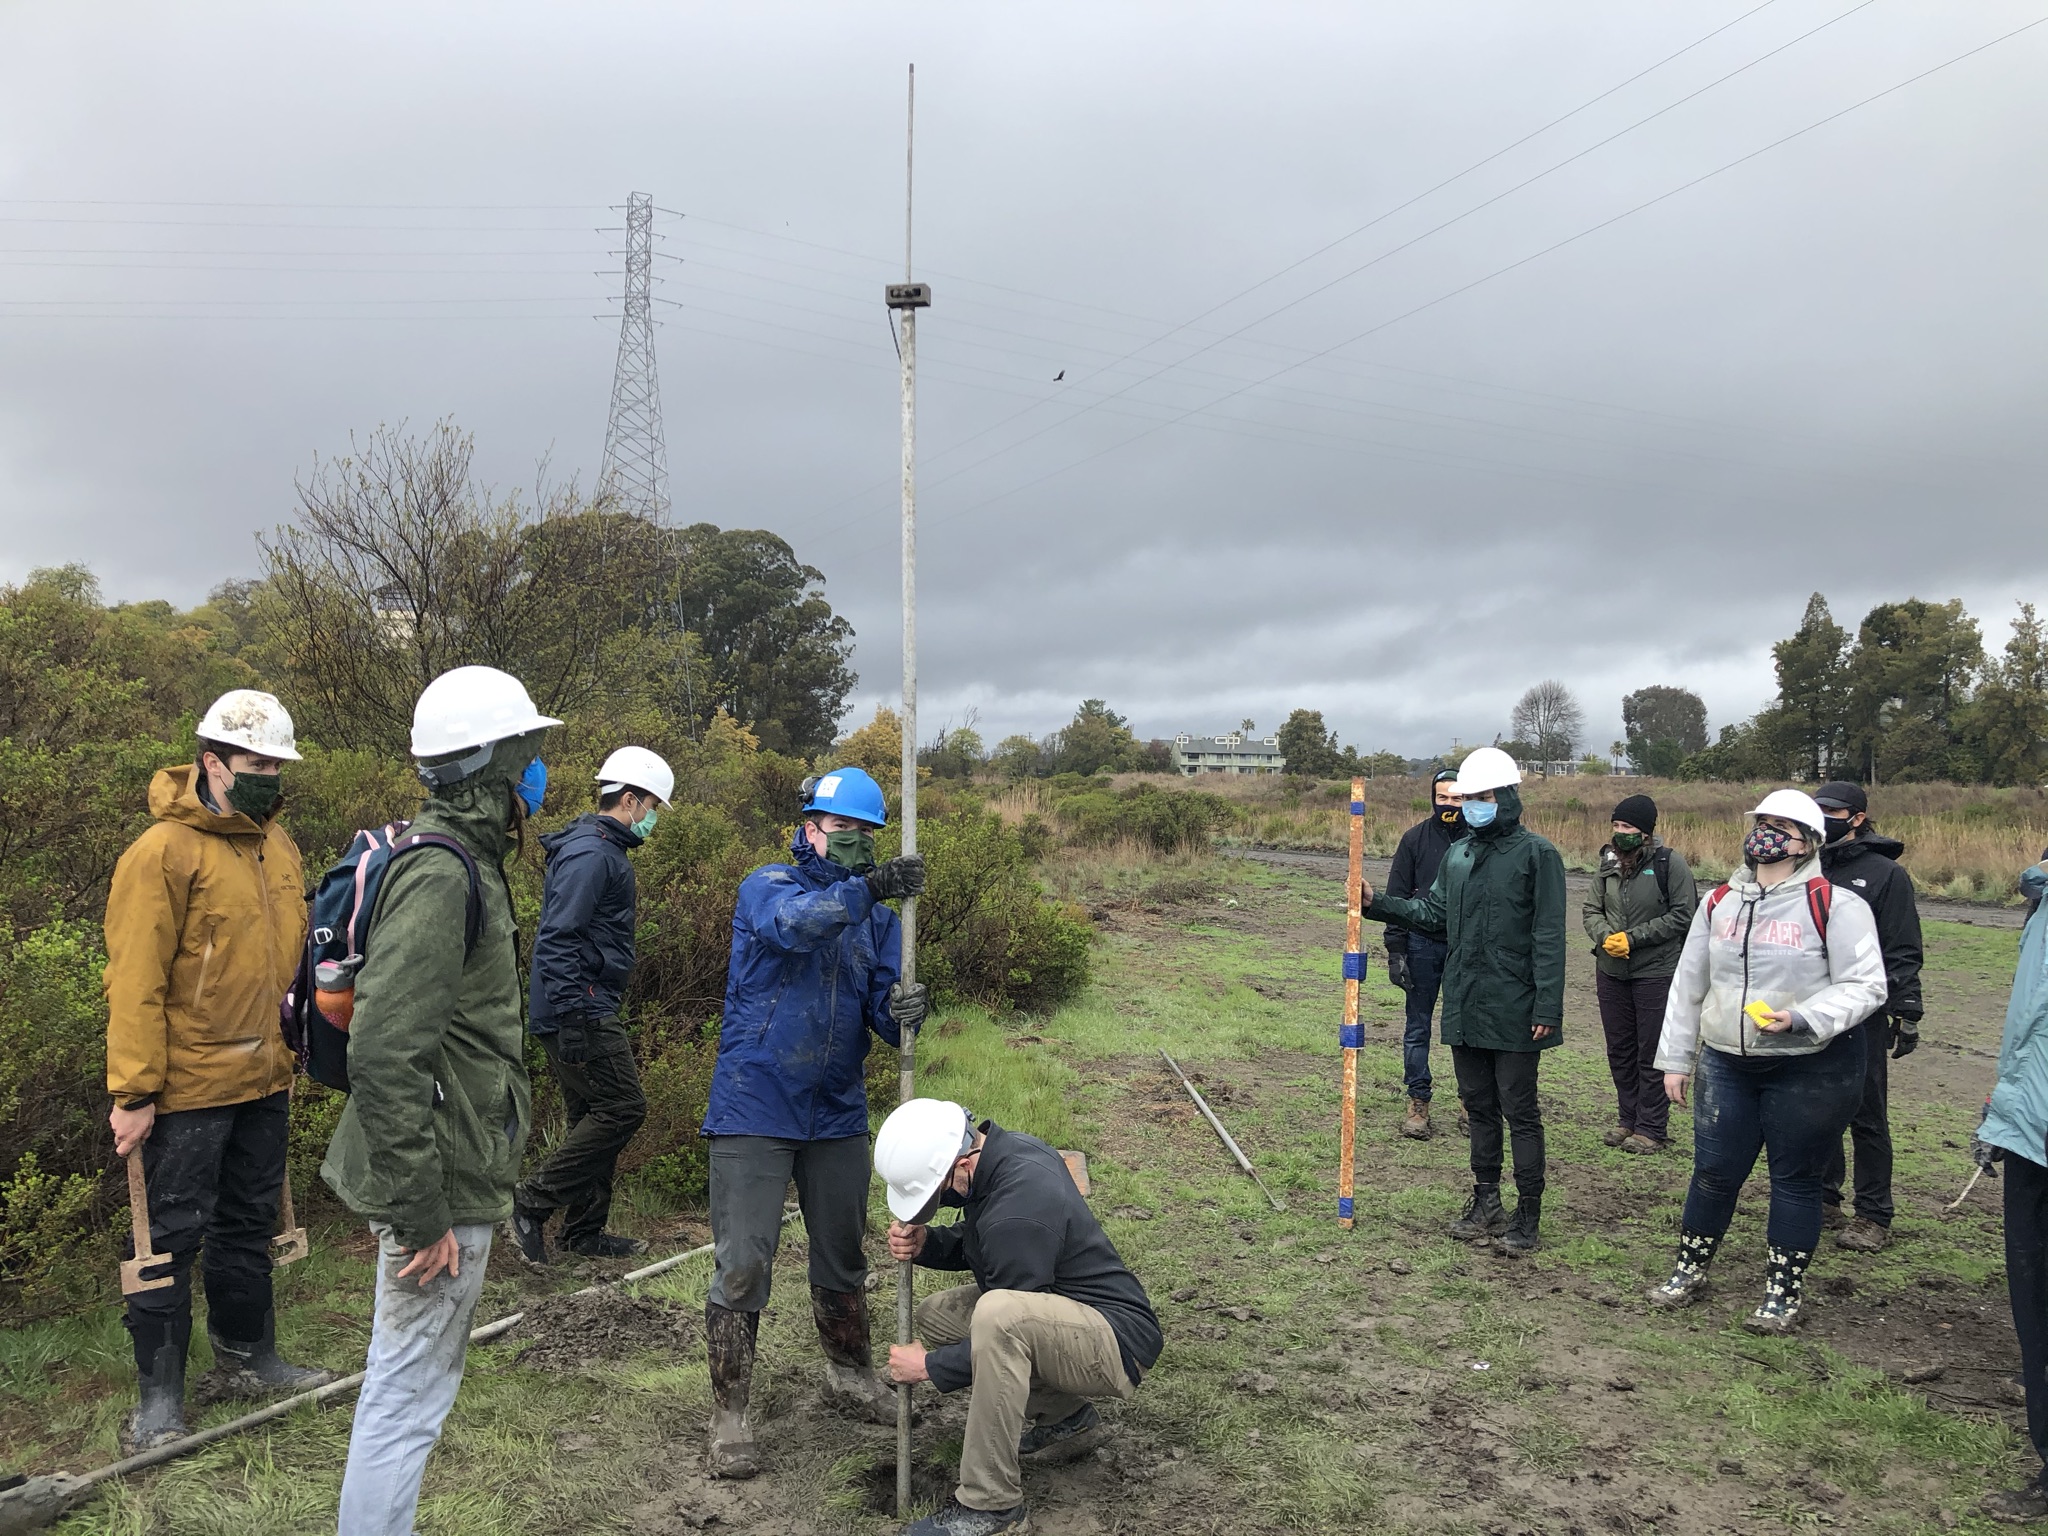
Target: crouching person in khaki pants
(1053, 1319)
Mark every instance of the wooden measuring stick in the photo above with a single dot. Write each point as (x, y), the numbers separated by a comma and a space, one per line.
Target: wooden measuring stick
(1352, 1035)
(146, 1257)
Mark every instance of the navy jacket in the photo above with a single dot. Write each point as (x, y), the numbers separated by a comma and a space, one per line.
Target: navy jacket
(813, 958)
(1416, 859)
(583, 951)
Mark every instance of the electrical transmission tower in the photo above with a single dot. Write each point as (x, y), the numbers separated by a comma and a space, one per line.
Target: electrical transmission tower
(635, 472)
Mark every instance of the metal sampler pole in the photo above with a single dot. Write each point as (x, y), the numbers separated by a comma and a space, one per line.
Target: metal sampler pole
(1352, 1035)
(906, 299)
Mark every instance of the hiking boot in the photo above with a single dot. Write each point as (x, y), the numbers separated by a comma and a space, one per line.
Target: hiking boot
(1521, 1236)
(851, 1383)
(2017, 1506)
(606, 1245)
(1784, 1286)
(729, 1342)
(1464, 1120)
(1688, 1282)
(958, 1520)
(1483, 1216)
(1832, 1216)
(159, 1414)
(1416, 1126)
(1074, 1436)
(1616, 1136)
(528, 1232)
(1641, 1145)
(256, 1369)
(1863, 1236)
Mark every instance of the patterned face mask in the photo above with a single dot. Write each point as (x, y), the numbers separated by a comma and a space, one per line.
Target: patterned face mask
(1767, 844)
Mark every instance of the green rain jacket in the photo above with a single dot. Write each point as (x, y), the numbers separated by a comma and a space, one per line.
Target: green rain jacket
(439, 1106)
(1656, 928)
(1499, 903)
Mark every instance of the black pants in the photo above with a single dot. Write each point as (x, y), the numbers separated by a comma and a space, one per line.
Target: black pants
(749, 1176)
(1870, 1133)
(1494, 1084)
(605, 1107)
(1632, 1016)
(2026, 1282)
(214, 1176)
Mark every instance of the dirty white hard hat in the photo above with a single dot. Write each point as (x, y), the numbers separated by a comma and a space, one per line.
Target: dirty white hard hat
(915, 1151)
(637, 768)
(1793, 805)
(1486, 768)
(253, 721)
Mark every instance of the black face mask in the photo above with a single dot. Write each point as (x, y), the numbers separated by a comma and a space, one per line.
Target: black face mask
(1450, 815)
(255, 794)
(1838, 828)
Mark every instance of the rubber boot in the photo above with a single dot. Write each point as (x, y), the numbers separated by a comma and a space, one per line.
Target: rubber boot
(729, 1341)
(256, 1369)
(1688, 1282)
(851, 1384)
(1521, 1236)
(159, 1415)
(1784, 1286)
(1484, 1216)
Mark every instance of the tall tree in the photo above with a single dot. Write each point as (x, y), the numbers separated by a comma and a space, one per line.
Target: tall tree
(1909, 680)
(1097, 737)
(1664, 726)
(1549, 719)
(2010, 714)
(1808, 723)
(1307, 746)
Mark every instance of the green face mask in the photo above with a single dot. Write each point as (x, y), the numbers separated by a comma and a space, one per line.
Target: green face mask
(645, 825)
(1627, 842)
(253, 794)
(852, 850)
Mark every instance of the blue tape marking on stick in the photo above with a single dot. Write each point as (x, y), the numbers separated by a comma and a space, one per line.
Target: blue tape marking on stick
(1354, 966)
(1351, 1036)
(1358, 807)
(1343, 1205)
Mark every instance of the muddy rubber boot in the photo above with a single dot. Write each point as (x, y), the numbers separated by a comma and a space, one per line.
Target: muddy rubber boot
(1784, 1286)
(1483, 1217)
(1416, 1126)
(159, 1415)
(729, 1342)
(1688, 1282)
(256, 1369)
(851, 1384)
(1863, 1236)
(1521, 1236)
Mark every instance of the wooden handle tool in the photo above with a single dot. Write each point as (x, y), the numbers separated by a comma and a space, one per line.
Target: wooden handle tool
(138, 1215)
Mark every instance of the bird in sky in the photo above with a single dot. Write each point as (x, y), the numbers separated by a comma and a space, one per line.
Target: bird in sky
(1060, 375)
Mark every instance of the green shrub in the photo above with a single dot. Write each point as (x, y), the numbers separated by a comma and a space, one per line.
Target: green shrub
(986, 932)
(48, 1260)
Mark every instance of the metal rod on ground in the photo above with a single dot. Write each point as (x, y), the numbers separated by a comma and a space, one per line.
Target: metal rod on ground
(1216, 1125)
(1352, 1035)
(1975, 1174)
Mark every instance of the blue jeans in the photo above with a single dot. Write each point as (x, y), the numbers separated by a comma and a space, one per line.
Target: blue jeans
(417, 1347)
(1793, 1107)
(1425, 980)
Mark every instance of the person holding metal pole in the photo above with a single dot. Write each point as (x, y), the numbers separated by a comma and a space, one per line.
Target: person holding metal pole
(814, 972)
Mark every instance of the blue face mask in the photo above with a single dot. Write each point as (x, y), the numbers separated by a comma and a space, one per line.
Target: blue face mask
(1480, 813)
(644, 825)
(532, 787)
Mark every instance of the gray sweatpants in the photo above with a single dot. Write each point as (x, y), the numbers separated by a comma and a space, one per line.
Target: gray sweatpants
(748, 1177)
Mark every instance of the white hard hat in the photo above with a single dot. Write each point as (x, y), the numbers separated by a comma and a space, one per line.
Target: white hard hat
(637, 768)
(472, 707)
(253, 721)
(1793, 805)
(915, 1151)
(1486, 768)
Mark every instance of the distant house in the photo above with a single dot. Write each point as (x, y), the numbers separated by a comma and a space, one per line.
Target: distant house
(1232, 753)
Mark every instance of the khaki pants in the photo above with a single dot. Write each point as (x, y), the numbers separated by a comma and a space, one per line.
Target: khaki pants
(1037, 1358)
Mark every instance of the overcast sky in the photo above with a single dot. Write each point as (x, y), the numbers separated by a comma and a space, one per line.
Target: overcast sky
(1313, 447)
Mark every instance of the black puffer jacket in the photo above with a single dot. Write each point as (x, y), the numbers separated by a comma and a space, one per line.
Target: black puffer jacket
(1868, 865)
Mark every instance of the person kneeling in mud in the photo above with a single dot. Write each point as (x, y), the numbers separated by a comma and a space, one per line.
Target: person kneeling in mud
(1053, 1318)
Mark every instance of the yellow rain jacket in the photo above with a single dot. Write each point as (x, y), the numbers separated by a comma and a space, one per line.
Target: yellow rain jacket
(205, 923)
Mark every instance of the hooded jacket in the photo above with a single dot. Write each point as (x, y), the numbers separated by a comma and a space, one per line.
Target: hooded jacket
(1757, 945)
(583, 948)
(1656, 928)
(1417, 857)
(1498, 900)
(813, 958)
(439, 1108)
(2017, 1116)
(205, 921)
(1868, 864)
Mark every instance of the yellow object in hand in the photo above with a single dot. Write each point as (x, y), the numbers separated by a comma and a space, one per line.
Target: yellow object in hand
(1616, 944)
(1759, 1014)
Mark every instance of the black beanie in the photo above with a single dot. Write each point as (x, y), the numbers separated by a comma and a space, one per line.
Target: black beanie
(1639, 811)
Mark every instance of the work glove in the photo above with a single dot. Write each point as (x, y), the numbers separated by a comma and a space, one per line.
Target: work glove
(1397, 968)
(572, 1039)
(898, 877)
(1616, 944)
(1905, 1038)
(908, 1004)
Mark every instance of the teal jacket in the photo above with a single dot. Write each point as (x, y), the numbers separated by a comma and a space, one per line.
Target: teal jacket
(2017, 1116)
(439, 1106)
(1499, 903)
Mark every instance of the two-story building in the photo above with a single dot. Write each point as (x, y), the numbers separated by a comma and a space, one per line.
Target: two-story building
(1231, 753)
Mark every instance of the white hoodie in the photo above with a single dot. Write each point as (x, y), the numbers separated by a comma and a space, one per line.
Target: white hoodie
(1763, 947)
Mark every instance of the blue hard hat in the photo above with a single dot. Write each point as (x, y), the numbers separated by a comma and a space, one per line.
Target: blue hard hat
(848, 792)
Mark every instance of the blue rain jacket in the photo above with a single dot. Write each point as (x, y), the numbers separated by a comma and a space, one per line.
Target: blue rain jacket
(813, 958)
(583, 949)
(2018, 1116)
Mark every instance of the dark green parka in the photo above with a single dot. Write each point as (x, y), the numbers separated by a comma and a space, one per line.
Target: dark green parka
(1498, 902)
(1636, 906)
(438, 1111)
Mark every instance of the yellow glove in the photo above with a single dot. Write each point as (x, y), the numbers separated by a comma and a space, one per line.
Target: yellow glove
(1616, 944)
